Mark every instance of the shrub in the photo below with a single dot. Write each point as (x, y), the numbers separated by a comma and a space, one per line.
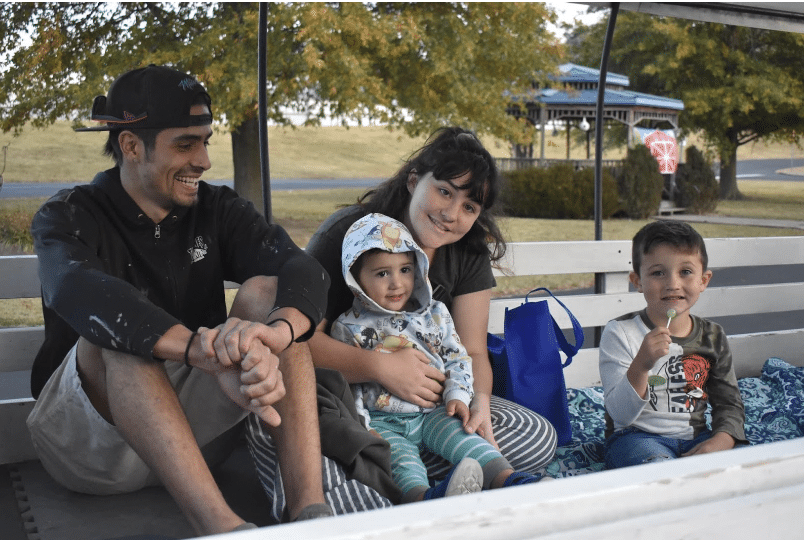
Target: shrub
(557, 192)
(697, 188)
(15, 229)
(640, 183)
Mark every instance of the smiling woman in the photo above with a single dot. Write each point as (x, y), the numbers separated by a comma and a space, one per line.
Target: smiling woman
(445, 194)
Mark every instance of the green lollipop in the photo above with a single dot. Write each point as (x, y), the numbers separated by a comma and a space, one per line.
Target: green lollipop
(670, 314)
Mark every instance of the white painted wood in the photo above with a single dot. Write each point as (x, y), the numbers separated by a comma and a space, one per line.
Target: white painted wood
(544, 258)
(764, 251)
(15, 441)
(19, 276)
(598, 309)
(736, 494)
(18, 347)
(749, 352)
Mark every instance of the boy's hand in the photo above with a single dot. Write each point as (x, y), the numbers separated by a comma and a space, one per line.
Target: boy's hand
(655, 345)
(717, 442)
(456, 407)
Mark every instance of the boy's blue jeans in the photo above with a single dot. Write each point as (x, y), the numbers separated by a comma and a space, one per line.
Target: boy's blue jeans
(632, 446)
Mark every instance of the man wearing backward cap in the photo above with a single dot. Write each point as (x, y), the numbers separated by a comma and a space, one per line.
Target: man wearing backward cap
(143, 378)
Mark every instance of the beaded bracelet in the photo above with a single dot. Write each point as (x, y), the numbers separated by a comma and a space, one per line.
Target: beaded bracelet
(187, 350)
(287, 322)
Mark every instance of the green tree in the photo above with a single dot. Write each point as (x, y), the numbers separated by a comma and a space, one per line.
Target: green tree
(416, 66)
(738, 84)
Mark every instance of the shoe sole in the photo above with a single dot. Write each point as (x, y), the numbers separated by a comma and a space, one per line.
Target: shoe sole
(467, 478)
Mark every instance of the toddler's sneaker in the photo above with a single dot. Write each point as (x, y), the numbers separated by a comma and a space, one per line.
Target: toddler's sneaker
(465, 477)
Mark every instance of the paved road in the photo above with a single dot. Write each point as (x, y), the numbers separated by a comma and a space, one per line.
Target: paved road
(770, 169)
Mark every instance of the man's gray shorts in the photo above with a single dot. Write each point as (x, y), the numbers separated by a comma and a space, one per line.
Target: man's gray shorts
(85, 453)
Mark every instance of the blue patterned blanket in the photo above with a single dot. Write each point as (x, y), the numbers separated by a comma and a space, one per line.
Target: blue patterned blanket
(774, 411)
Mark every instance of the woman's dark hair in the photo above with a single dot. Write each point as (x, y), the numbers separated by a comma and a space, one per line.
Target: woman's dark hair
(449, 153)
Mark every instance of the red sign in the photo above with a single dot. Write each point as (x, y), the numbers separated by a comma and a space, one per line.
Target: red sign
(665, 149)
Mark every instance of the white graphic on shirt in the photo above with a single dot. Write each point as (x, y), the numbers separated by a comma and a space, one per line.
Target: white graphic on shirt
(199, 250)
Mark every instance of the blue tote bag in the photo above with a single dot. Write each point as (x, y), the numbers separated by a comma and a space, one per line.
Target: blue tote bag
(527, 364)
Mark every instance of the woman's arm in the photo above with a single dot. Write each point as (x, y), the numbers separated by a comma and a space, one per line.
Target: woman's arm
(471, 315)
(406, 373)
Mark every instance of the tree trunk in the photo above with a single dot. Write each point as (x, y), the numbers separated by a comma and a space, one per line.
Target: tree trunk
(246, 157)
(728, 176)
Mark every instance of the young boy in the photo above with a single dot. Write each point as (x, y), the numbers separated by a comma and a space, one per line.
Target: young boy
(661, 366)
(394, 309)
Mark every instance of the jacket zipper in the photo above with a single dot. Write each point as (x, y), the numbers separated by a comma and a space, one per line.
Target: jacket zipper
(157, 232)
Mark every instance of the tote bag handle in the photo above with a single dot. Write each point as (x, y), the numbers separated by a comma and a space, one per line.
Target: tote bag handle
(569, 349)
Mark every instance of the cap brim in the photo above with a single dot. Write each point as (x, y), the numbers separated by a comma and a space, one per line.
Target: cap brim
(98, 128)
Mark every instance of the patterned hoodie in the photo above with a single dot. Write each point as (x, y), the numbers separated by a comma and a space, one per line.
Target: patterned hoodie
(428, 327)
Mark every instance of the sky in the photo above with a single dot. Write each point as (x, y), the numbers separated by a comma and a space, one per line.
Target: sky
(568, 11)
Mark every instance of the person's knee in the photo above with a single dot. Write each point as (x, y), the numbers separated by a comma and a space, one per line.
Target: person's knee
(97, 366)
(255, 298)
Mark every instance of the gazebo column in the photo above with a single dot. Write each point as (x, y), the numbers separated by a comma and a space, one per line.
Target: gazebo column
(630, 123)
(569, 126)
(542, 122)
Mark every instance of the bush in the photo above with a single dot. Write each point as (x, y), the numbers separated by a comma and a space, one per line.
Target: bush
(557, 192)
(15, 229)
(640, 183)
(697, 189)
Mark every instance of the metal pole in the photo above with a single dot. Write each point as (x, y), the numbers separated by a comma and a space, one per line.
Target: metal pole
(265, 170)
(601, 93)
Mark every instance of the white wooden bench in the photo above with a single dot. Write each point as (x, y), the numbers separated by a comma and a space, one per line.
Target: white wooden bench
(739, 492)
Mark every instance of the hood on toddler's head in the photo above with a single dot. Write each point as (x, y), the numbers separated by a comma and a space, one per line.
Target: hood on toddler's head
(377, 231)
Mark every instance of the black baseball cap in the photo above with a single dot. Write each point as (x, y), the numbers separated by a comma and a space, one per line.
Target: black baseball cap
(151, 97)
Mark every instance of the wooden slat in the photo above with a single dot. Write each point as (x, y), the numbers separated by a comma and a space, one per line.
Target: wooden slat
(19, 276)
(18, 346)
(749, 353)
(597, 309)
(544, 258)
(15, 441)
(763, 251)
(737, 494)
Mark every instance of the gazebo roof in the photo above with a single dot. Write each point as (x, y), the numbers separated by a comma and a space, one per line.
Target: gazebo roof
(621, 98)
(575, 73)
(579, 87)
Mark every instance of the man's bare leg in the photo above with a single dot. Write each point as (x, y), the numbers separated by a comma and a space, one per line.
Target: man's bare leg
(146, 411)
(297, 438)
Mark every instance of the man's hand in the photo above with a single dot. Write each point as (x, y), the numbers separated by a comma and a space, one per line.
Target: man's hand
(257, 384)
(235, 337)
